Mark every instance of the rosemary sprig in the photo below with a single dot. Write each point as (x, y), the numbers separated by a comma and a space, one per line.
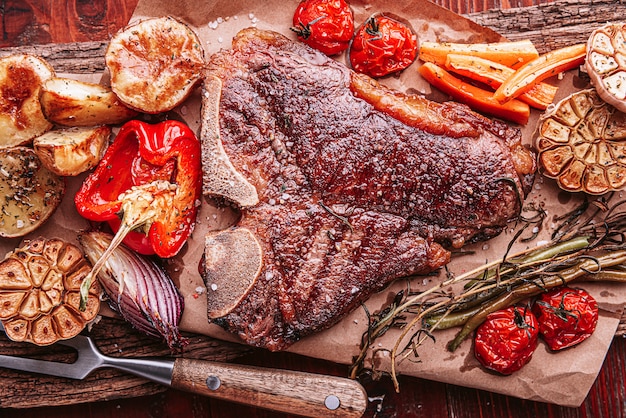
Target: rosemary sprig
(589, 246)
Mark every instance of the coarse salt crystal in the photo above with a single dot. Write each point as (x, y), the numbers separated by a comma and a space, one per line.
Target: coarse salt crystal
(213, 287)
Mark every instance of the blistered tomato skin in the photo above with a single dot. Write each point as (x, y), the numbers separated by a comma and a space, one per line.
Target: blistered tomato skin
(326, 25)
(383, 45)
(507, 339)
(566, 316)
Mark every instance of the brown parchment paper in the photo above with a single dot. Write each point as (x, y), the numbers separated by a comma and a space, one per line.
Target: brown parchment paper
(564, 378)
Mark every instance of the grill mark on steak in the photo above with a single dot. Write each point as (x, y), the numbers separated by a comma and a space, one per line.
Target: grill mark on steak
(349, 197)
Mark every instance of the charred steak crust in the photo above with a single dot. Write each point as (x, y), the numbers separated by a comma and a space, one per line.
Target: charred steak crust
(349, 197)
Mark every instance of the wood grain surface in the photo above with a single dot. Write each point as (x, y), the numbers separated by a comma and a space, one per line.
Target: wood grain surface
(73, 35)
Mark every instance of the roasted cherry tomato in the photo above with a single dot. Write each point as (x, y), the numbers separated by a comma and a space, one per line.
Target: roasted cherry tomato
(383, 45)
(507, 339)
(566, 317)
(326, 25)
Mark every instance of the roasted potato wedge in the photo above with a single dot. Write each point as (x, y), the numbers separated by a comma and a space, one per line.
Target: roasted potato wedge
(74, 150)
(70, 102)
(21, 118)
(30, 191)
(155, 64)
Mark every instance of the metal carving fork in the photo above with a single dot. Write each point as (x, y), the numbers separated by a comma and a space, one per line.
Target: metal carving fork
(299, 393)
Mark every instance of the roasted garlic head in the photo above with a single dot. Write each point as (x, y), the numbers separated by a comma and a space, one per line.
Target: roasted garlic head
(582, 144)
(39, 292)
(606, 63)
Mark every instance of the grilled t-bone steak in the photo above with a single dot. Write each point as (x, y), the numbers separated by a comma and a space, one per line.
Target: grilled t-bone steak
(343, 186)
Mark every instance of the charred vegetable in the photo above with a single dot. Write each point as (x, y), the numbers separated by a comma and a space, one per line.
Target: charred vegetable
(326, 25)
(39, 292)
(383, 45)
(138, 289)
(587, 245)
(539, 69)
(30, 192)
(21, 118)
(475, 97)
(567, 316)
(71, 151)
(155, 64)
(151, 174)
(507, 339)
(605, 63)
(70, 102)
(581, 144)
(511, 54)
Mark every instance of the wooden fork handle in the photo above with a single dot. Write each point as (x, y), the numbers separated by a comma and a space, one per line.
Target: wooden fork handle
(292, 392)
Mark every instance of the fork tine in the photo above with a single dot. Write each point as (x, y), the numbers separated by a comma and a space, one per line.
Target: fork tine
(89, 358)
(54, 368)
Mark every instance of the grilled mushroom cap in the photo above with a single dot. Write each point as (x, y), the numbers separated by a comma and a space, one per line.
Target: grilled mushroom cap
(40, 292)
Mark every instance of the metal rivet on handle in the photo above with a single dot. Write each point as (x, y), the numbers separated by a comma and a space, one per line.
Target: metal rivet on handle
(332, 402)
(213, 382)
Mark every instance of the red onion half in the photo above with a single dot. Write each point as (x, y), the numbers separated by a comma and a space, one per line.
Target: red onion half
(138, 289)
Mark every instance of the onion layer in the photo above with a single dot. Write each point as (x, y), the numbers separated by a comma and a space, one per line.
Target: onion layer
(138, 289)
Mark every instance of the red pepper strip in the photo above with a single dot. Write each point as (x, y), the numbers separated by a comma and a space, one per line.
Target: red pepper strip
(153, 175)
(475, 97)
(140, 155)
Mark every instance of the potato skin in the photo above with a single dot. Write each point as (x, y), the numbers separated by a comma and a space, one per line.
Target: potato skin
(155, 64)
(74, 150)
(70, 102)
(31, 192)
(21, 118)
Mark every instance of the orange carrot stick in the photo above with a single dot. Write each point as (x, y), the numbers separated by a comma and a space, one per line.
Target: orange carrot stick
(478, 99)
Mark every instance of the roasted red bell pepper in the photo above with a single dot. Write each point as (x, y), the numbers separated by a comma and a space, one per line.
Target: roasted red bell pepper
(151, 178)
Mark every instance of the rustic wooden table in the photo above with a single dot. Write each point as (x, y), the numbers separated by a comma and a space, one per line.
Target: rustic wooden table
(86, 25)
